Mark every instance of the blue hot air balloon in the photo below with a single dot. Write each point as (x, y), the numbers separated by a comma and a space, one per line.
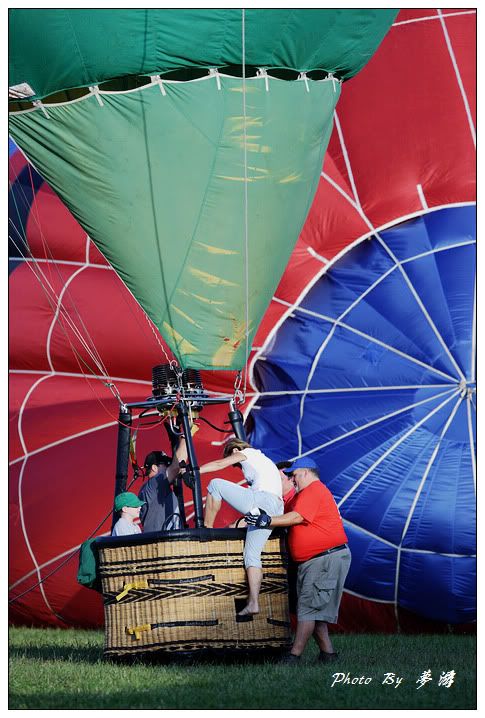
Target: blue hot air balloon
(372, 374)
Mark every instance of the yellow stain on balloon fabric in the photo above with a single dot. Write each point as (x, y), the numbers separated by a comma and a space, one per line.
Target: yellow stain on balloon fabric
(216, 250)
(248, 137)
(240, 179)
(211, 279)
(263, 170)
(200, 298)
(184, 346)
(290, 178)
(239, 123)
(185, 316)
(230, 344)
(248, 88)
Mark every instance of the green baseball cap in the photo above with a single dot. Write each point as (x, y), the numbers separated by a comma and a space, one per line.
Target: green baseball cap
(127, 499)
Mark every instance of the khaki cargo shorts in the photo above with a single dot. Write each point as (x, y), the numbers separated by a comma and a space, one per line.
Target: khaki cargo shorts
(320, 583)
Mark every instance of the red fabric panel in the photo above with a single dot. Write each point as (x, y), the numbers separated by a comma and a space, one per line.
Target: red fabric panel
(19, 385)
(16, 162)
(409, 131)
(463, 37)
(94, 255)
(302, 265)
(48, 225)
(32, 308)
(273, 314)
(413, 13)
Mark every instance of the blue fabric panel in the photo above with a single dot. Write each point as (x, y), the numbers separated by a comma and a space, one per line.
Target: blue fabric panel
(274, 427)
(373, 567)
(445, 515)
(352, 360)
(441, 588)
(445, 282)
(383, 501)
(343, 283)
(400, 479)
(391, 314)
(435, 230)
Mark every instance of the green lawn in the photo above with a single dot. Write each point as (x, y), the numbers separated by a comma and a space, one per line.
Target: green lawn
(64, 669)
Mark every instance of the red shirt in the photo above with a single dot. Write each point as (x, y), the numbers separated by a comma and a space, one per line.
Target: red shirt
(322, 527)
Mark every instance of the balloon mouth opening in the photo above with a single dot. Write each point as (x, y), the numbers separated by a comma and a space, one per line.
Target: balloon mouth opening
(24, 99)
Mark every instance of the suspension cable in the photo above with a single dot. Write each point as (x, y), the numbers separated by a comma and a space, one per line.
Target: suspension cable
(246, 233)
(95, 355)
(54, 300)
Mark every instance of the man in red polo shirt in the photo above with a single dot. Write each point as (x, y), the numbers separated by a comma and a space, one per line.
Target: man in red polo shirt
(318, 544)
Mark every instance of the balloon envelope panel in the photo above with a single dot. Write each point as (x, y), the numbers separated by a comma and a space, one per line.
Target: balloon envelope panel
(84, 47)
(384, 402)
(158, 182)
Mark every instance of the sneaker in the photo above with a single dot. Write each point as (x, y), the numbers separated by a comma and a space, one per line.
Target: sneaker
(325, 657)
(290, 659)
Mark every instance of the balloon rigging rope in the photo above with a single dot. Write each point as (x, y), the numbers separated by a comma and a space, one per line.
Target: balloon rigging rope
(54, 300)
(69, 558)
(56, 305)
(246, 240)
(94, 353)
(66, 319)
(52, 297)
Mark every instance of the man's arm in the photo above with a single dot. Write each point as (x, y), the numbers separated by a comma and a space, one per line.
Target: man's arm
(181, 451)
(220, 464)
(263, 520)
(292, 518)
(180, 455)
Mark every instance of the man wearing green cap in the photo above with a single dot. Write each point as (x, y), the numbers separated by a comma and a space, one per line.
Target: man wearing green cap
(129, 506)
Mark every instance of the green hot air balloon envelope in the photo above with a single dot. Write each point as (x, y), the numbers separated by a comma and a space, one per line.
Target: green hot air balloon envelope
(195, 191)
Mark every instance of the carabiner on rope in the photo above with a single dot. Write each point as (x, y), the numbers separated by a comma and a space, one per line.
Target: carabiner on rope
(239, 396)
(114, 390)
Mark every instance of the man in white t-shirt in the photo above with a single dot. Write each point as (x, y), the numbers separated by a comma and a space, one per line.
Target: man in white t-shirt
(264, 492)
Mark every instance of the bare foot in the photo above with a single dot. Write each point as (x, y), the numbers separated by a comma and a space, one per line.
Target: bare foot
(249, 610)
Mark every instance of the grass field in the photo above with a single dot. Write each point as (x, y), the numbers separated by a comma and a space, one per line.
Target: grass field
(64, 669)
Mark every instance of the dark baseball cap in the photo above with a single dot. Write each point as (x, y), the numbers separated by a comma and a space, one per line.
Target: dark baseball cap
(157, 458)
(282, 465)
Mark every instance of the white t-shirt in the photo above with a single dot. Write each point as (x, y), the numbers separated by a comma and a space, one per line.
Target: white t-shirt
(125, 528)
(260, 472)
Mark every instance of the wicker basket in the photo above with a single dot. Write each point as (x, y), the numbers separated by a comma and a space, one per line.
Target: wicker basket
(180, 591)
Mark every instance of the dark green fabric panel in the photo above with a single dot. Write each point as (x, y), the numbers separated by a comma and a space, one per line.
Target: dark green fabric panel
(158, 183)
(58, 49)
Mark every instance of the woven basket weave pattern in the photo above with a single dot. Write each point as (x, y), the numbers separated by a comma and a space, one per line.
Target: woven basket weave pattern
(184, 595)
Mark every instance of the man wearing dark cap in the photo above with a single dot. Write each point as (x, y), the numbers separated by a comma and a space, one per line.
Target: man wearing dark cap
(318, 544)
(161, 511)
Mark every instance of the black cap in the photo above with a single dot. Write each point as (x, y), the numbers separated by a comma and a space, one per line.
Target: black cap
(156, 457)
